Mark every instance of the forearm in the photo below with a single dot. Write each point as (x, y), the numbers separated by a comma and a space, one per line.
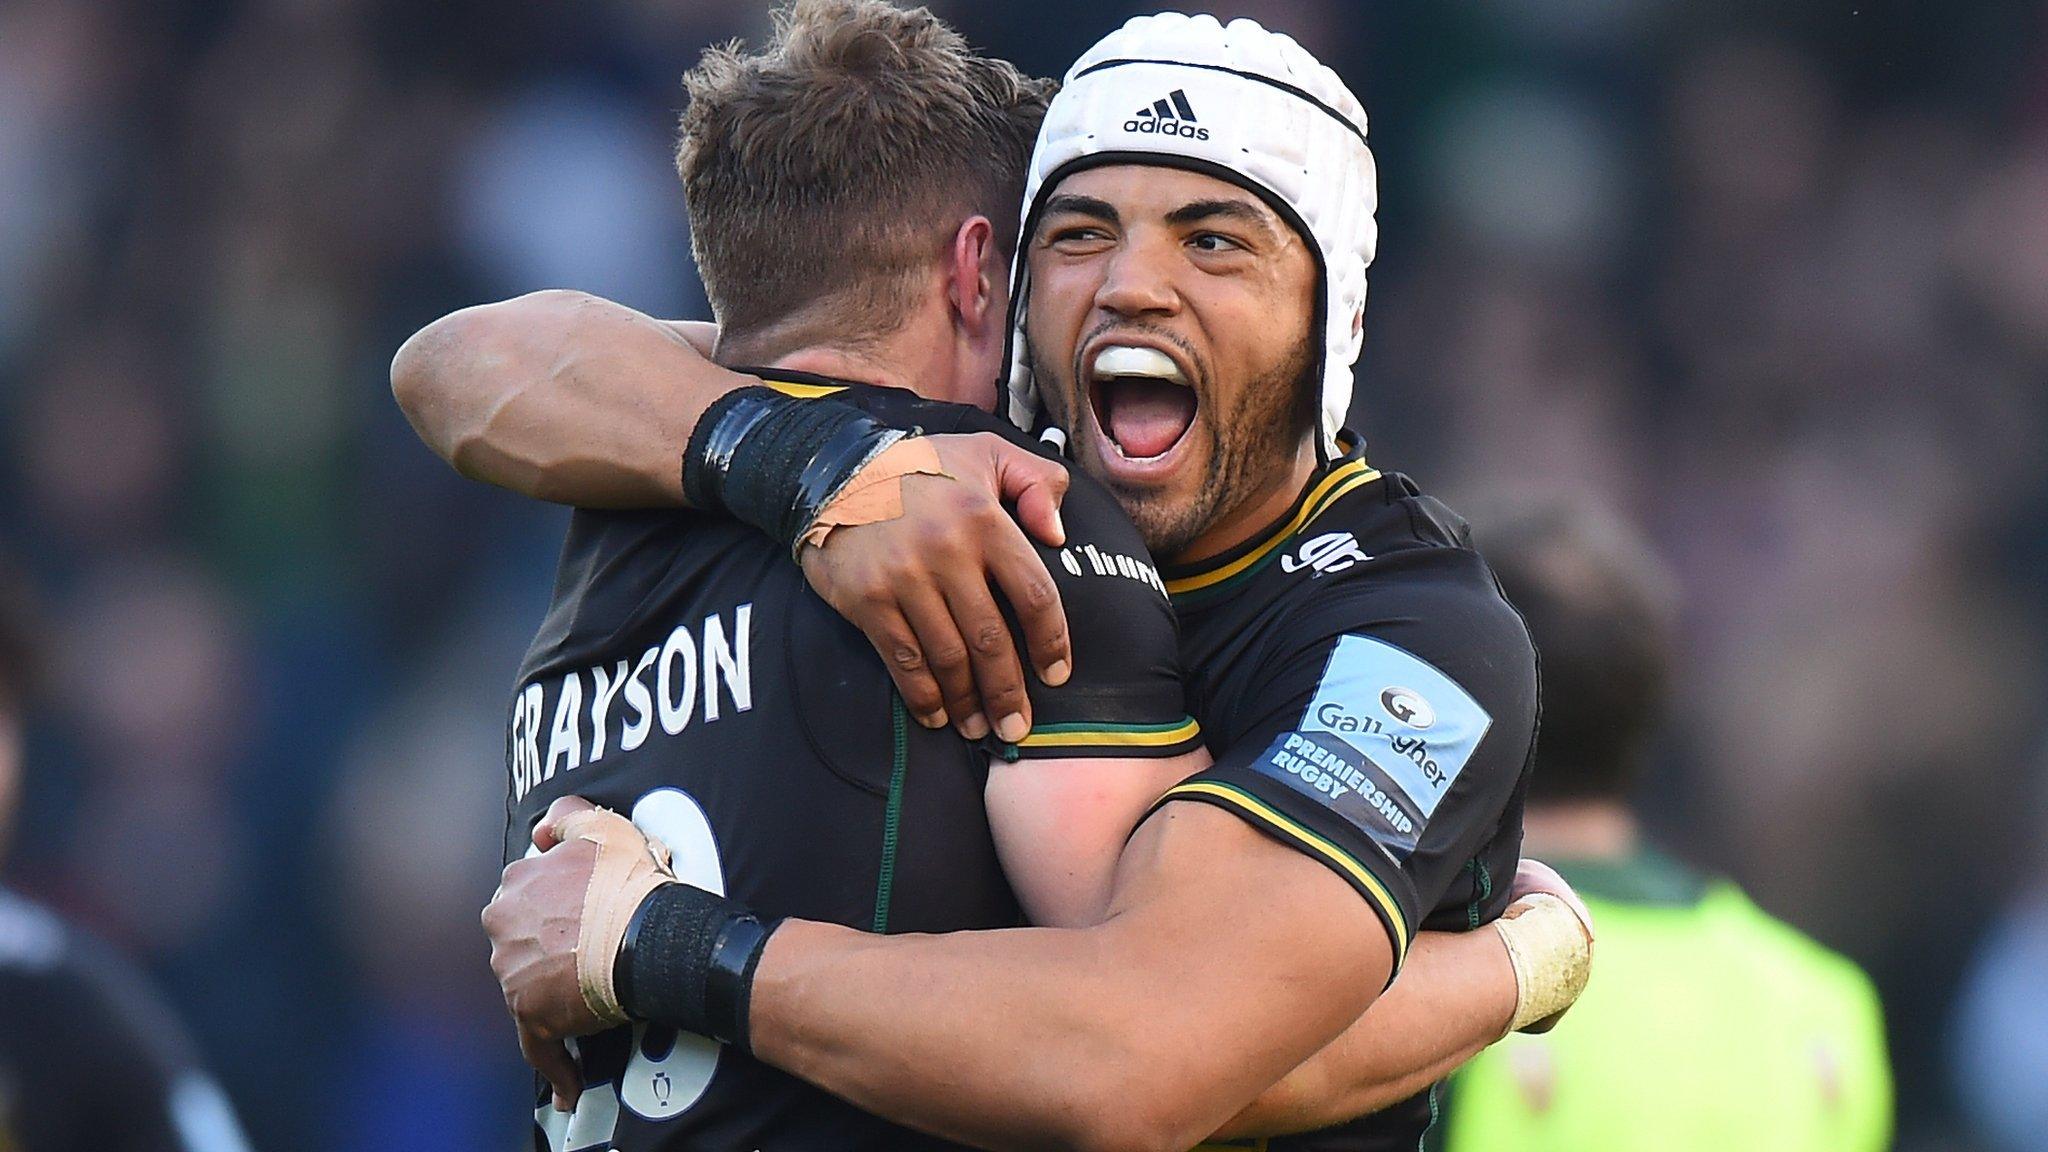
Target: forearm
(1148, 1030)
(560, 396)
(1454, 997)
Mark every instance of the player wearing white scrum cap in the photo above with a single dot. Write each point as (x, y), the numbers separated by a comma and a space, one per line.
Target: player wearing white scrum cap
(1273, 120)
(1189, 306)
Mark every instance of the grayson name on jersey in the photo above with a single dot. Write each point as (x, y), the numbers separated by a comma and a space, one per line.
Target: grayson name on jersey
(703, 671)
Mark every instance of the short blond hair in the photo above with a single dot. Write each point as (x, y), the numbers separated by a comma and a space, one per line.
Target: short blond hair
(827, 171)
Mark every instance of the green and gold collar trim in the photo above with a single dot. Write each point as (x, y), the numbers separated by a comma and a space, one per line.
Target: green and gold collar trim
(1239, 564)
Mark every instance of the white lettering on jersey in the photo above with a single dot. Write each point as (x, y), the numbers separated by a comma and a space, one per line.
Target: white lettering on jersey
(1101, 563)
(724, 655)
(565, 735)
(719, 661)
(1330, 552)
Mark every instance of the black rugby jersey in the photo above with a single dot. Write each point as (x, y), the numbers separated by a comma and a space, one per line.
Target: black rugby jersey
(90, 1056)
(686, 675)
(1370, 697)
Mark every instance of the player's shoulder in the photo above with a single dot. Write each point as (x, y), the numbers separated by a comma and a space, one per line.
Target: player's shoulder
(1102, 542)
(1384, 554)
(896, 407)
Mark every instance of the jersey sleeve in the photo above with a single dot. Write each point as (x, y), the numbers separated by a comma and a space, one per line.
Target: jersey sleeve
(1387, 738)
(1124, 698)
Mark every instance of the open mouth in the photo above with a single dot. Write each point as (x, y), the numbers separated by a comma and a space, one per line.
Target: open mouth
(1143, 402)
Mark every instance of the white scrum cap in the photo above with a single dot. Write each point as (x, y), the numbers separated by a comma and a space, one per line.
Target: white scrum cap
(1239, 103)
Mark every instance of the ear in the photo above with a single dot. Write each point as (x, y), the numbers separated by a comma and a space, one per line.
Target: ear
(972, 276)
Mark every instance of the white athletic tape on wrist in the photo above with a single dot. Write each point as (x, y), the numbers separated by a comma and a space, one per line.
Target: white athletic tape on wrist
(1551, 950)
(629, 865)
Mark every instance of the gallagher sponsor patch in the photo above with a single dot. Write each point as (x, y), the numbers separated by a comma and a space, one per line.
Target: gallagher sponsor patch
(1382, 741)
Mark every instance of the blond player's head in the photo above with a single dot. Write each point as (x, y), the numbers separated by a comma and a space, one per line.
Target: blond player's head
(830, 174)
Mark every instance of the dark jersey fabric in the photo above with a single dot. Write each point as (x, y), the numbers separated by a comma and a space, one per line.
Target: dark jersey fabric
(685, 674)
(90, 1058)
(1370, 698)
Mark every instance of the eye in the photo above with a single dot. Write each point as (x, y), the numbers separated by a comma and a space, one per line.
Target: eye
(1214, 242)
(1078, 238)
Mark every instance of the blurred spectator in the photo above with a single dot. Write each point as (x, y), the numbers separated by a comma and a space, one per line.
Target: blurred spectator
(90, 1058)
(1709, 1025)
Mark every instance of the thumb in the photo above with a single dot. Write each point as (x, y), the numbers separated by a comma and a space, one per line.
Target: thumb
(548, 832)
(1035, 486)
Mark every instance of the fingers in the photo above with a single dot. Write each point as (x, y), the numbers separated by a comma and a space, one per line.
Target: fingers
(1033, 485)
(1035, 597)
(551, 1059)
(943, 649)
(902, 654)
(548, 832)
(998, 672)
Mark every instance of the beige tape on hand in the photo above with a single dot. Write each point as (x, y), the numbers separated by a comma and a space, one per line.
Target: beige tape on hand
(875, 494)
(1552, 953)
(630, 864)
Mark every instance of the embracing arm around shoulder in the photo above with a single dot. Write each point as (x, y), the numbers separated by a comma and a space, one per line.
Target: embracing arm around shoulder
(1225, 961)
(562, 396)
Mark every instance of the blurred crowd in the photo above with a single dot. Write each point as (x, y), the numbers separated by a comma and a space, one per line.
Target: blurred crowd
(1770, 279)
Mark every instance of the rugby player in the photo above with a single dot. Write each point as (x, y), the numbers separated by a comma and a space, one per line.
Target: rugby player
(792, 784)
(1160, 1038)
(90, 1055)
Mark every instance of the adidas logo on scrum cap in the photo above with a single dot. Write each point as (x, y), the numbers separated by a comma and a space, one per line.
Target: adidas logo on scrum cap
(1170, 115)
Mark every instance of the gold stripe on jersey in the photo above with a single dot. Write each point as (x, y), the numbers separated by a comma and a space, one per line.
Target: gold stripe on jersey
(1342, 480)
(803, 391)
(1084, 734)
(1337, 857)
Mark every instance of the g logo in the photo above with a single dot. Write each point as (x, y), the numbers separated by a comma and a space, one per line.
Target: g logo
(1408, 706)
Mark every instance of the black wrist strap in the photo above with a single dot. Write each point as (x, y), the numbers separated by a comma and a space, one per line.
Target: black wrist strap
(775, 461)
(688, 962)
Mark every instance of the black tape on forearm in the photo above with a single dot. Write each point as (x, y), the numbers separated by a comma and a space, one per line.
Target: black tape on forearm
(688, 962)
(774, 461)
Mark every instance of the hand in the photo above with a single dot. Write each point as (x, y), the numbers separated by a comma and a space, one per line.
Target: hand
(919, 585)
(533, 921)
(1533, 877)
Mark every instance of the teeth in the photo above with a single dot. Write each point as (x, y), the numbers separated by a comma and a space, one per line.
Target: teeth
(1123, 360)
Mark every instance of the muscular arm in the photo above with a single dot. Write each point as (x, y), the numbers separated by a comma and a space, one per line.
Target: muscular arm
(1454, 997)
(1226, 960)
(561, 396)
(1060, 826)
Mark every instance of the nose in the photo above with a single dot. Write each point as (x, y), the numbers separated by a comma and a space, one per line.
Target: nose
(1138, 281)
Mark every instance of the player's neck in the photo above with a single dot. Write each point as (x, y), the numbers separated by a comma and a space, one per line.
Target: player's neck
(920, 356)
(1251, 517)
(1579, 830)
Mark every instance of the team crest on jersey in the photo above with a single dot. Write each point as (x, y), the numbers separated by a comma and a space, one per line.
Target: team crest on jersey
(1330, 552)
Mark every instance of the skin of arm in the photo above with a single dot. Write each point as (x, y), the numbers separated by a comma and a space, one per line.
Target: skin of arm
(1226, 960)
(1454, 997)
(561, 396)
(1060, 826)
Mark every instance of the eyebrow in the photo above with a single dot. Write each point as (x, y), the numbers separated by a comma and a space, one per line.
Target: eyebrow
(1101, 210)
(1200, 210)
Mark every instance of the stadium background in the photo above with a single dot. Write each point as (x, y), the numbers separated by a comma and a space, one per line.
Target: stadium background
(1772, 279)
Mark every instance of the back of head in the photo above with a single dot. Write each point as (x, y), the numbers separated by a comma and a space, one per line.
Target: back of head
(1601, 609)
(827, 173)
